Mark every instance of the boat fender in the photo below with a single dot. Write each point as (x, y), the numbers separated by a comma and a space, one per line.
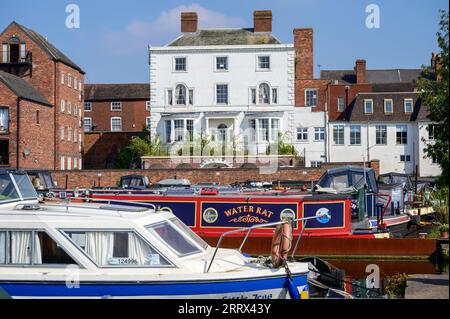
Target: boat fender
(281, 244)
(292, 289)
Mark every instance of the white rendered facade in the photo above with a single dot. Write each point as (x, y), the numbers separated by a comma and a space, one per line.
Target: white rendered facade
(228, 117)
(394, 155)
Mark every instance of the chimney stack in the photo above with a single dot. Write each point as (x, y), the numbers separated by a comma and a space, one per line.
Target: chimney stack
(304, 54)
(189, 22)
(360, 69)
(262, 21)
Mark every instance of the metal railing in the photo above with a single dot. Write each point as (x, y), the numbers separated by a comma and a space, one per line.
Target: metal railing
(250, 229)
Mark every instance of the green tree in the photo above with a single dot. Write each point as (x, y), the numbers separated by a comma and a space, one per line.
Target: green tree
(434, 94)
(130, 156)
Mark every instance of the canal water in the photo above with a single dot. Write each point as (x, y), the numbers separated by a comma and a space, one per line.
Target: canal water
(369, 278)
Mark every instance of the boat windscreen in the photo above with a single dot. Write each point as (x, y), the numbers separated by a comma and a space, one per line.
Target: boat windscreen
(25, 187)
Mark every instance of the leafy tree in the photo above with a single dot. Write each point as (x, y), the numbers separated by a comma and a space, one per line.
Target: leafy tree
(130, 156)
(434, 94)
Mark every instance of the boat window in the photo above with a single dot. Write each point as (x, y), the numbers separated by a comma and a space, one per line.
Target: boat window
(339, 181)
(190, 232)
(175, 238)
(117, 248)
(25, 187)
(7, 189)
(31, 248)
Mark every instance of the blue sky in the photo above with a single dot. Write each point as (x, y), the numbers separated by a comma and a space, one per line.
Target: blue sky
(111, 43)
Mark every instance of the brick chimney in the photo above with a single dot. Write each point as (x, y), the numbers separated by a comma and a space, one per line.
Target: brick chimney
(304, 53)
(189, 22)
(360, 69)
(262, 21)
(436, 65)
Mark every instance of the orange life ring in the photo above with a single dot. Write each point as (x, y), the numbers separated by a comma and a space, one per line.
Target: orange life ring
(281, 244)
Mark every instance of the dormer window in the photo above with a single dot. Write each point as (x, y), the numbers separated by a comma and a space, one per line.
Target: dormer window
(368, 106)
(409, 106)
(388, 106)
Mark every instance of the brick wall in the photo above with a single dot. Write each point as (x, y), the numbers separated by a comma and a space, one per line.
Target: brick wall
(336, 91)
(197, 161)
(35, 137)
(101, 148)
(320, 85)
(133, 115)
(68, 120)
(89, 178)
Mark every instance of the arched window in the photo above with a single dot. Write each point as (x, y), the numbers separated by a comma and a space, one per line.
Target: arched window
(180, 94)
(264, 93)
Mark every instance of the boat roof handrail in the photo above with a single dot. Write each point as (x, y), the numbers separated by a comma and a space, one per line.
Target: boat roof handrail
(249, 229)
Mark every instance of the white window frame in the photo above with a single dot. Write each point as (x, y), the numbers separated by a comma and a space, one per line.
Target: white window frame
(69, 107)
(352, 139)
(317, 97)
(319, 131)
(89, 109)
(392, 106)
(258, 68)
(227, 63)
(175, 64)
(69, 163)
(63, 133)
(340, 98)
(121, 124)
(343, 135)
(147, 106)
(371, 106)
(114, 104)
(412, 105)
(148, 122)
(62, 163)
(380, 129)
(84, 124)
(216, 97)
(401, 129)
(62, 78)
(69, 134)
(302, 131)
(63, 105)
(69, 80)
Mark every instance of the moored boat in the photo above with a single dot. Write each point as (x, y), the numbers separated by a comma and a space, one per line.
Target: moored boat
(104, 251)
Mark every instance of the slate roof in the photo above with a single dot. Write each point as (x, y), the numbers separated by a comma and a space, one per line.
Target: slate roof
(22, 88)
(373, 76)
(224, 37)
(120, 92)
(356, 110)
(49, 48)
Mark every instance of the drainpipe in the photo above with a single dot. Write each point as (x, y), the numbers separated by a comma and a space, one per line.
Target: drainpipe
(326, 126)
(18, 134)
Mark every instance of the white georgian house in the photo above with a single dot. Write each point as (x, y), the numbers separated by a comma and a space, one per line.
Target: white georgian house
(219, 83)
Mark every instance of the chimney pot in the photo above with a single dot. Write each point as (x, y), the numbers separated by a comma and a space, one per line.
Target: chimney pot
(189, 22)
(262, 21)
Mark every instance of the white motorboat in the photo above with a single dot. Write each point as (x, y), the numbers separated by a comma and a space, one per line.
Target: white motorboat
(104, 251)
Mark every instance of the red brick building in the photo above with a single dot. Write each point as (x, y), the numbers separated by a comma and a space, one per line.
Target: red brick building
(29, 56)
(116, 107)
(26, 125)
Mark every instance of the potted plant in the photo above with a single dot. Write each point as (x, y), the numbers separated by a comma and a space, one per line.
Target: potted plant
(443, 229)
